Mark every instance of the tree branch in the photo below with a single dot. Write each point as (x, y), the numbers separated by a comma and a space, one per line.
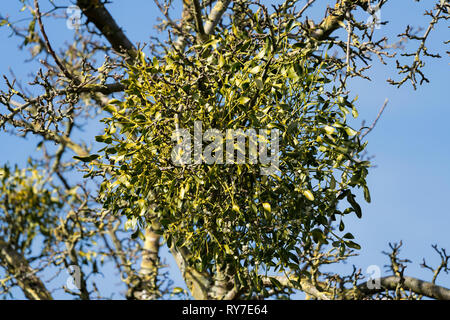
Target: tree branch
(96, 13)
(334, 20)
(418, 286)
(374, 123)
(305, 286)
(105, 89)
(18, 266)
(198, 283)
(198, 19)
(215, 15)
(150, 263)
(47, 43)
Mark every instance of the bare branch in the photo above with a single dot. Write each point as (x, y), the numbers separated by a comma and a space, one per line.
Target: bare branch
(198, 18)
(96, 12)
(374, 123)
(47, 42)
(215, 15)
(421, 287)
(305, 285)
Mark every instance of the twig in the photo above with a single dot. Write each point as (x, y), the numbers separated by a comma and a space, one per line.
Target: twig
(47, 43)
(198, 18)
(300, 13)
(376, 119)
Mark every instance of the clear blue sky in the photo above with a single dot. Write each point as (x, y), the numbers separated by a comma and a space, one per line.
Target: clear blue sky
(410, 186)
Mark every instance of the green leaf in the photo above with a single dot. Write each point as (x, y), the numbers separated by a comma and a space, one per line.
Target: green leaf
(177, 290)
(227, 249)
(244, 100)
(309, 195)
(221, 61)
(366, 194)
(261, 54)
(87, 158)
(341, 226)
(350, 131)
(317, 235)
(255, 70)
(155, 63)
(259, 83)
(353, 245)
(110, 108)
(348, 235)
(329, 129)
(354, 204)
(275, 283)
(111, 150)
(267, 207)
(106, 138)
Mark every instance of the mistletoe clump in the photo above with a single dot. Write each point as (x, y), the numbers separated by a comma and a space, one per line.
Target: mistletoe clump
(222, 216)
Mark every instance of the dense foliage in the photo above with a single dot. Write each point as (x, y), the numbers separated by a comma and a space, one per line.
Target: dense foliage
(232, 215)
(230, 146)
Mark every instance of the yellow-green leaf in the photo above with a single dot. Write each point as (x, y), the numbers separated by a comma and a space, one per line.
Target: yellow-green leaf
(329, 129)
(350, 131)
(255, 70)
(244, 100)
(309, 195)
(227, 249)
(177, 290)
(259, 84)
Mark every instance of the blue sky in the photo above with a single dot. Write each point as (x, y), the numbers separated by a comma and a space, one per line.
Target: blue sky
(410, 185)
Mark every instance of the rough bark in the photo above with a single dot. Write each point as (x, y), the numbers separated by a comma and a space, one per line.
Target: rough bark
(150, 265)
(96, 13)
(17, 265)
(418, 286)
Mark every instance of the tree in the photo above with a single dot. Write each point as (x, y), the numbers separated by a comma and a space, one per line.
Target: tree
(240, 225)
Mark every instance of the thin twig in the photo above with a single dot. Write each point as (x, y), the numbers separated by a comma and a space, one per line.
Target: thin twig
(310, 2)
(47, 43)
(376, 119)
